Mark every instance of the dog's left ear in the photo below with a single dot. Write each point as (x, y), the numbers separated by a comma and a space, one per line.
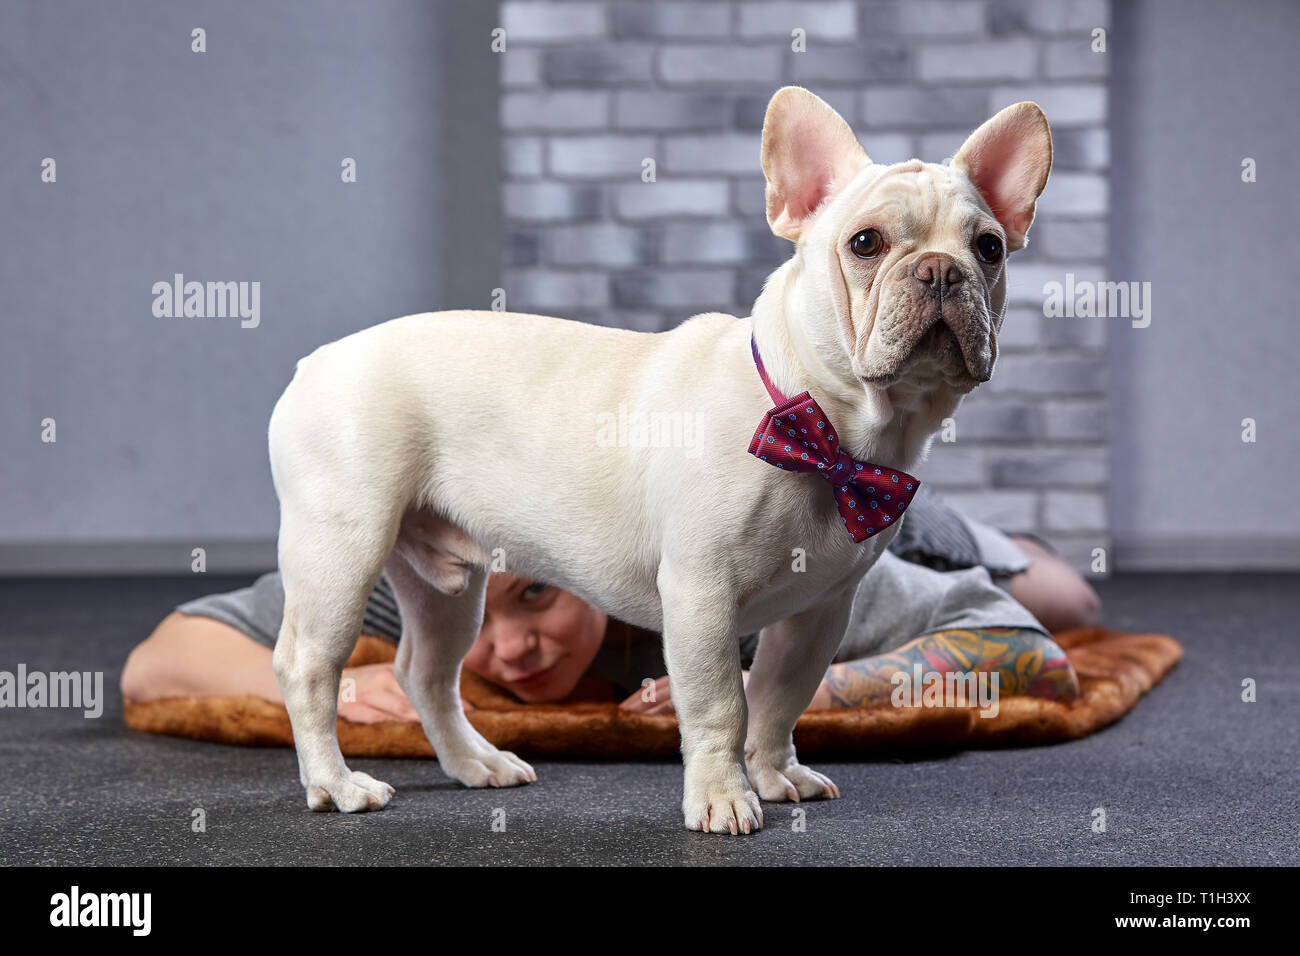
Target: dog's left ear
(808, 153)
(1008, 159)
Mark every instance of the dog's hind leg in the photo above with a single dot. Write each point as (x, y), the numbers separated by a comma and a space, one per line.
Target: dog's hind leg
(792, 659)
(329, 562)
(441, 603)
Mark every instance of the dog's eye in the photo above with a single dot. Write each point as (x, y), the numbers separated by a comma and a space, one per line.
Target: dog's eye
(989, 248)
(867, 244)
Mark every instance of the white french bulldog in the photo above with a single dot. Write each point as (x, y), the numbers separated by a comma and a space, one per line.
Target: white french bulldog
(424, 444)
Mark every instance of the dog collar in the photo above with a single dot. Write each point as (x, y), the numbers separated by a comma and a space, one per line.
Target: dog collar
(796, 435)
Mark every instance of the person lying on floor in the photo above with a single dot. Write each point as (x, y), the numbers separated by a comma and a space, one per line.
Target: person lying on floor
(545, 645)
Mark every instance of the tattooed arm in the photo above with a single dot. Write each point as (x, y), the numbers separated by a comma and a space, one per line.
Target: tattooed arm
(1027, 662)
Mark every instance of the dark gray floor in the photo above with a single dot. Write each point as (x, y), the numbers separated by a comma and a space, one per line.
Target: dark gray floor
(1193, 776)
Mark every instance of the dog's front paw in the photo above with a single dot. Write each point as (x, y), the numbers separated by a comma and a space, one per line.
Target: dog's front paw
(735, 812)
(355, 793)
(488, 768)
(726, 805)
(785, 779)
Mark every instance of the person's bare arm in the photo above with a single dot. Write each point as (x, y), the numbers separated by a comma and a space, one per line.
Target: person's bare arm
(194, 656)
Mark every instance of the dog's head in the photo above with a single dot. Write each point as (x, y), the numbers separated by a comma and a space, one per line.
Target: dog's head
(906, 262)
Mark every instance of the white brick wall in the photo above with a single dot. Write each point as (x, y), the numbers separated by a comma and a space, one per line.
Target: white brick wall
(591, 89)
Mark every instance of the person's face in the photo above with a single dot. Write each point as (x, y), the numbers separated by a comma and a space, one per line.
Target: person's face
(537, 640)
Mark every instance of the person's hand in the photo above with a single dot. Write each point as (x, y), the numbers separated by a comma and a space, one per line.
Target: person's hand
(662, 702)
(376, 696)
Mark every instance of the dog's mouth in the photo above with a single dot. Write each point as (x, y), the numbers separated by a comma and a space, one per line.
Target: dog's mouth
(960, 361)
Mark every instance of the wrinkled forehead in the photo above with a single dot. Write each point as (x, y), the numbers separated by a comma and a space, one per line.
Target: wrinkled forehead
(913, 197)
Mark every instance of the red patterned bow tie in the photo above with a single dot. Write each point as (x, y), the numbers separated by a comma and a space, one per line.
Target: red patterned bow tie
(796, 436)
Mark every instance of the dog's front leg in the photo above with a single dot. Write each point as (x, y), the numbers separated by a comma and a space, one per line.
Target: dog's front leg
(790, 663)
(703, 657)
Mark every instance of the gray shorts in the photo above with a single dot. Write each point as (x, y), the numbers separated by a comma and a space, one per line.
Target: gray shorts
(943, 539)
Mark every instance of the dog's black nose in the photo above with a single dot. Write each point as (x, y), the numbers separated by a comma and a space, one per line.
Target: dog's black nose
(938, 272)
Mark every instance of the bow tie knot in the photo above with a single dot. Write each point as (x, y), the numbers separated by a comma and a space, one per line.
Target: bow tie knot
(844, 467)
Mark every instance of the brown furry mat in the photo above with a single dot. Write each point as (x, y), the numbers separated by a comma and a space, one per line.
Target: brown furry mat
(1114, 669)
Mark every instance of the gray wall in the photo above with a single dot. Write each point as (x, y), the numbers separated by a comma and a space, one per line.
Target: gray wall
(1198, 86)
(592, 88)
(223, 165)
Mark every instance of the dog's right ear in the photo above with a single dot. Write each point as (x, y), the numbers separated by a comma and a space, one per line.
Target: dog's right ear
(808, 153)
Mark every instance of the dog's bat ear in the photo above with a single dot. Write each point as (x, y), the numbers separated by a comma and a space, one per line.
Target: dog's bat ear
(1008, 159)
(808, 153)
